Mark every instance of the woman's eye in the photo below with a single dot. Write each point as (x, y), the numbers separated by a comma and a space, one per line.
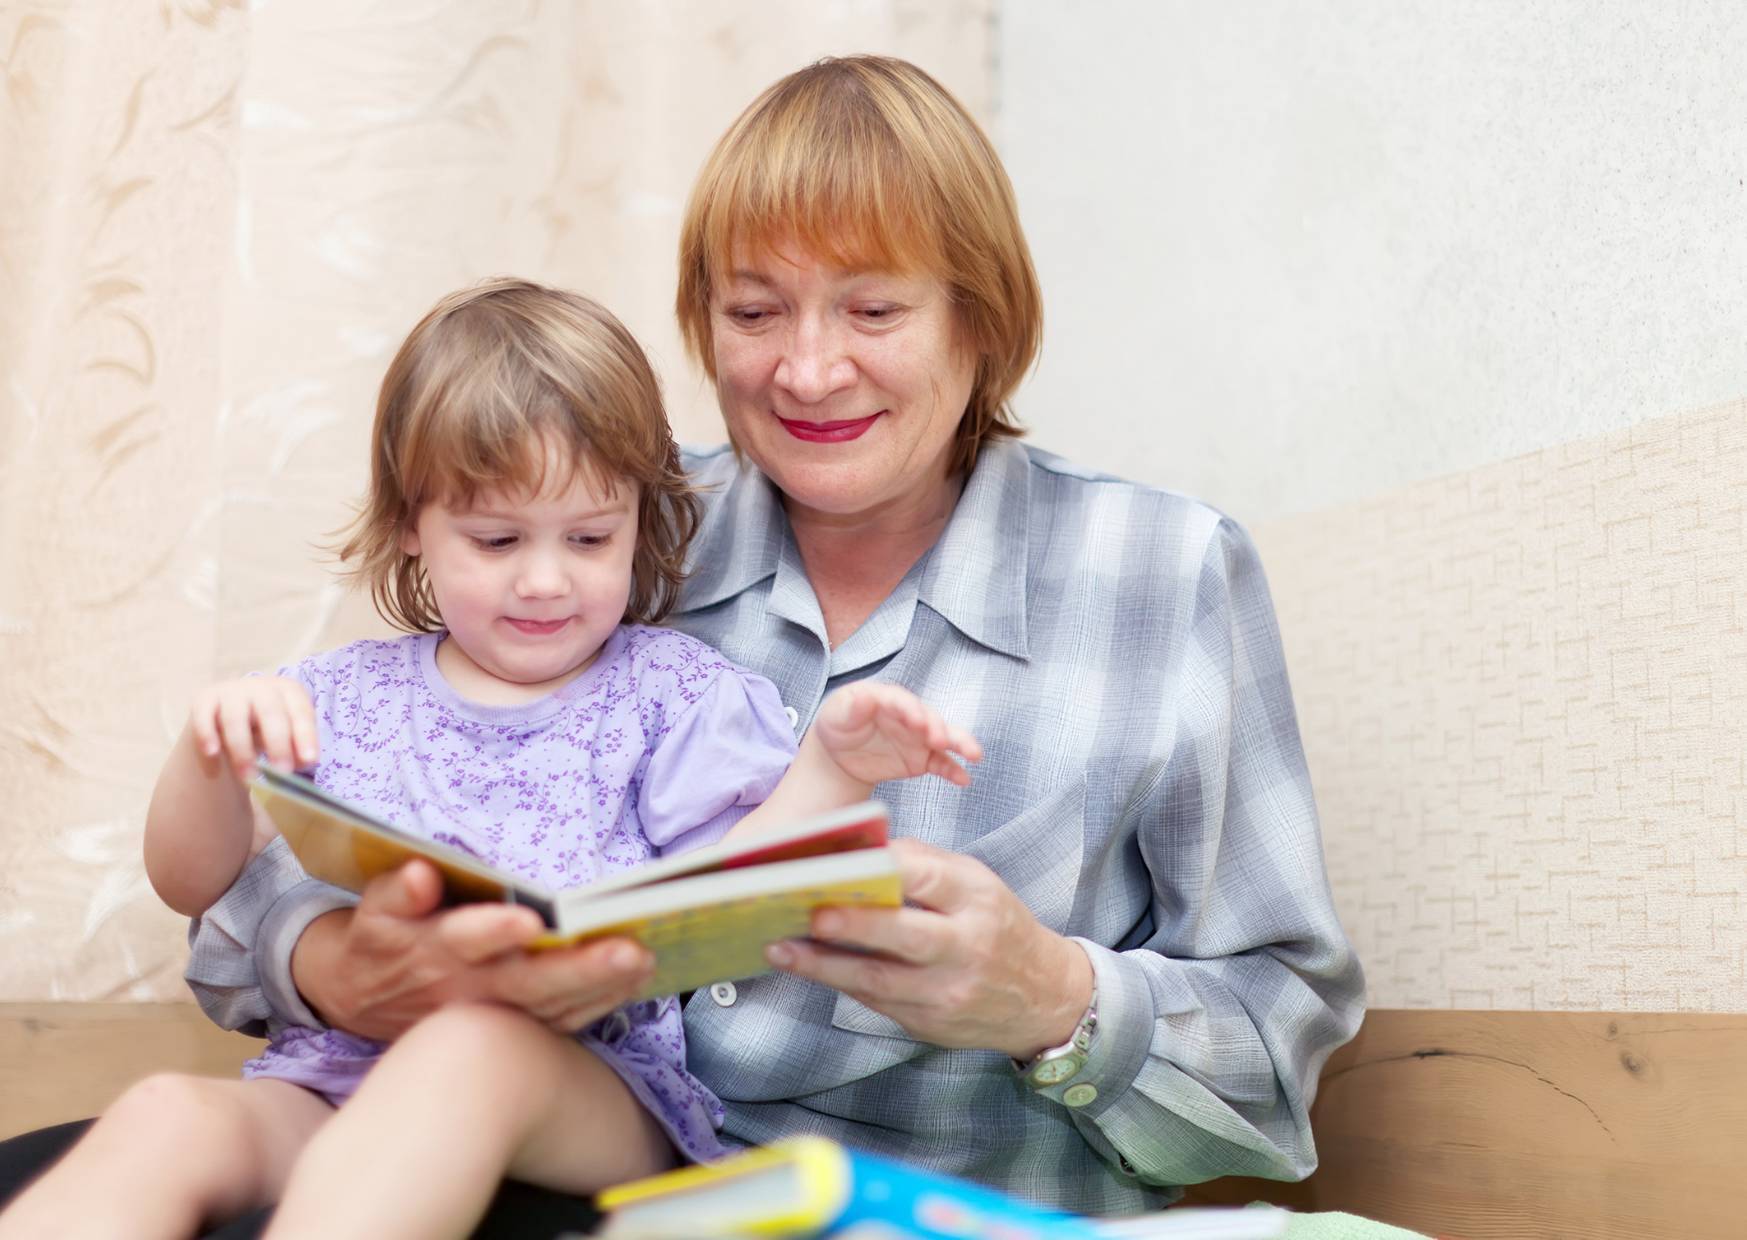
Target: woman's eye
(749, 316)
(879, 313)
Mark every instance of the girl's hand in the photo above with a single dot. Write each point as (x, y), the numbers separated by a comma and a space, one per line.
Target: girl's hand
(237, 719)
(875, 732)
(963, 964)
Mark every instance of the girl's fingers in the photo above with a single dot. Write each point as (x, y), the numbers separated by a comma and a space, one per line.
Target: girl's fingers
(237, 733)
(203, 723)
(942, 765)
(304, 737)
(273, 725)
(964, 744)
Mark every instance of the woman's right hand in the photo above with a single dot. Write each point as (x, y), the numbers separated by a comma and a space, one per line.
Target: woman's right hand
(376, 969)
(271, 715)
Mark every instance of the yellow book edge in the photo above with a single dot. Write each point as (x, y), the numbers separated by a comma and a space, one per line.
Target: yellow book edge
(820, 1168)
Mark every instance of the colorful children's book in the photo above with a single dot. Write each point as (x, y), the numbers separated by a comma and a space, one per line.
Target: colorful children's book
(811, 1186)
(707, 914)
(808, 1186)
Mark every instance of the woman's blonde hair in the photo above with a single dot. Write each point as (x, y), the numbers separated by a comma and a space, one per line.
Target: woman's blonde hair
(489, 385)
(867, 161)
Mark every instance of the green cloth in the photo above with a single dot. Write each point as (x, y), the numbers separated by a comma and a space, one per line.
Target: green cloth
(1332, 1225)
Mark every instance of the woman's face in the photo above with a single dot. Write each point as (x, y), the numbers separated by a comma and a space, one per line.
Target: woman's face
(845, 387)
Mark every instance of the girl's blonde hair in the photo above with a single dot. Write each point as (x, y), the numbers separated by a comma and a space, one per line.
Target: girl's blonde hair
(869, 162)
(489, 384)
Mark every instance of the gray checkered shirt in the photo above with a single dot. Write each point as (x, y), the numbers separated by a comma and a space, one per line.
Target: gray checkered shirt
(1114, 648)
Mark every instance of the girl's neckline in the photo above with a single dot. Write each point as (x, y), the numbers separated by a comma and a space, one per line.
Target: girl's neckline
(529, 711)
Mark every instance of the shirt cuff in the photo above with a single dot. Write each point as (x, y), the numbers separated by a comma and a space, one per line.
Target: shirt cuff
(1124, 1035)
(280, 929)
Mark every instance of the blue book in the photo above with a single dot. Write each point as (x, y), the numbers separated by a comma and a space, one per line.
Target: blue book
(810, 1186)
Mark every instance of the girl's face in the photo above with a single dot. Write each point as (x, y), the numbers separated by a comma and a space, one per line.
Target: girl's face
(846, 388)
(529, 586)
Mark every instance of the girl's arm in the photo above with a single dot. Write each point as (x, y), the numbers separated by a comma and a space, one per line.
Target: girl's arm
(863, 735)
(202, 827)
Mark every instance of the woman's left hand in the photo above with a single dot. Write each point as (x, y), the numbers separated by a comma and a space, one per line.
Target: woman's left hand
(963, 964)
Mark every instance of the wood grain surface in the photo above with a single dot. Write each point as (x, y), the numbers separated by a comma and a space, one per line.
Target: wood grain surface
(1470, 1125)
(1478, 1125)
(61, 1061)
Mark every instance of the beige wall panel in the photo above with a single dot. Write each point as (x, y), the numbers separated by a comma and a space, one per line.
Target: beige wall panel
(1523, 692)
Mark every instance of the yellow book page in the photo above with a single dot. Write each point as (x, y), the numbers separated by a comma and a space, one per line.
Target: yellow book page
(349, 856)
(696, 946)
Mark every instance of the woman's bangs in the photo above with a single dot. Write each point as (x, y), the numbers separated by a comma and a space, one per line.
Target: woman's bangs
(857, 210)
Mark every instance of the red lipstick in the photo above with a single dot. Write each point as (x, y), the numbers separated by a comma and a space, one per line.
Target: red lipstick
(829, 432)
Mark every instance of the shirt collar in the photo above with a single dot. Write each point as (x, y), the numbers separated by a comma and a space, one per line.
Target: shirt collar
(975, 576)
(740, 539)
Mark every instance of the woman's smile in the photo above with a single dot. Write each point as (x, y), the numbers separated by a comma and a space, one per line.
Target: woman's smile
(829, 432)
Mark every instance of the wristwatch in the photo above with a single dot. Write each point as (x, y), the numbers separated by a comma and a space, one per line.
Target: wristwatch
(1059, 1064)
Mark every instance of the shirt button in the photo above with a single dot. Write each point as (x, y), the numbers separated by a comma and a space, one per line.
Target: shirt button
(724, 994)
(1079, 1095)
(794, 716)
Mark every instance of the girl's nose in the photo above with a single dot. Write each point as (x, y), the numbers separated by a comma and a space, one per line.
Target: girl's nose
(541, 575)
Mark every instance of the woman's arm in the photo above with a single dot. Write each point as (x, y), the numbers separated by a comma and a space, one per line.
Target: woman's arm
(1214, 1023)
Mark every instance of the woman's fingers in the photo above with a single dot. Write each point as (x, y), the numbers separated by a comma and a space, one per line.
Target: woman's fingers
(568, 987)
(936, 879)
(872, 979)
(913, 935)
(477, 933)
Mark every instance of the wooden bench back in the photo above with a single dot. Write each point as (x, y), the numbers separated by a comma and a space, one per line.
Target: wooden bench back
(1471, 1125)
(1572, 1125)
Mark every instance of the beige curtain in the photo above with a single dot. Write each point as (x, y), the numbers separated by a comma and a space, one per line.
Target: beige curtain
(216, 223)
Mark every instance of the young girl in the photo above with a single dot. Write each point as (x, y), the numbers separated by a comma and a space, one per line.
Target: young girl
(526, 522)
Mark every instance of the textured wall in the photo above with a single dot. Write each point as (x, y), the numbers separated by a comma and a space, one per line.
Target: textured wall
(1523, 691)
(216, 224)
(1298, 252)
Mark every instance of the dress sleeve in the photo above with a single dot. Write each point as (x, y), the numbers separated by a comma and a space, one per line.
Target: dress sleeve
(1214, 1026)
(716, 764)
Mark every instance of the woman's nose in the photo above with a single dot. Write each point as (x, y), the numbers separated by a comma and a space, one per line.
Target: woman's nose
(815, 364)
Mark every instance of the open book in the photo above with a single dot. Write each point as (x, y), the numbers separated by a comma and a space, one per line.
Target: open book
(706, 914)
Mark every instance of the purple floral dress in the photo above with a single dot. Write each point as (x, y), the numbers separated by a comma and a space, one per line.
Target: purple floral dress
(660, 746)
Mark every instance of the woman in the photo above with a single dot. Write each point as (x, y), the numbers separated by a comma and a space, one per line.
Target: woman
(1120, 970)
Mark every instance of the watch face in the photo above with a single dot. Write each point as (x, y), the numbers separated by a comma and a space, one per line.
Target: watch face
(1054, 1071)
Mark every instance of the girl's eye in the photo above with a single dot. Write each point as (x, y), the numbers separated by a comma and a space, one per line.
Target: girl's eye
(591, 540)
(495, 542)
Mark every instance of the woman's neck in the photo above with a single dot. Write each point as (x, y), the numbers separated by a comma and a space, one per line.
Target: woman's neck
(855, 561)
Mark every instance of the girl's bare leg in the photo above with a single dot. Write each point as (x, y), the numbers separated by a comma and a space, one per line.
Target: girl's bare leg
(471, 1094)
(173, 1155)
